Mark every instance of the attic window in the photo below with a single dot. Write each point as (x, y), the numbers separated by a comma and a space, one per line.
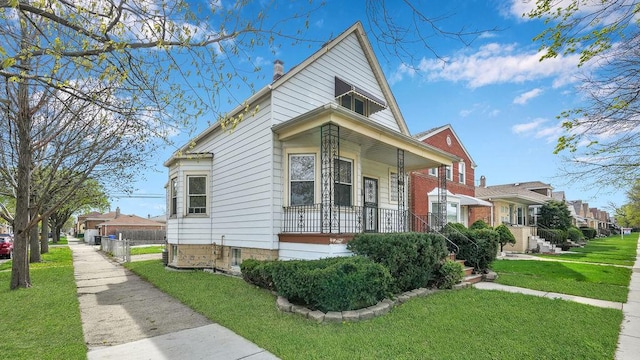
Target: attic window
(356, 99)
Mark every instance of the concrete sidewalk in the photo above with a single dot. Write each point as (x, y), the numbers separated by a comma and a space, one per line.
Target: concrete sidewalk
(124, 317)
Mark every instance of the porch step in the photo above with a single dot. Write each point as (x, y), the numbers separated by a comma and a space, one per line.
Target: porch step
(468, 270)
(472, 279)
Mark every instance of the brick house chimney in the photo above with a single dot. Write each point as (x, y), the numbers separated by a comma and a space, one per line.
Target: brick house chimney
(278, 69)
(483, 181)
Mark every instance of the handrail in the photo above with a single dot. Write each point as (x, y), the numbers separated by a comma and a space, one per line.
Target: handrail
(471, 241)
(436, 231)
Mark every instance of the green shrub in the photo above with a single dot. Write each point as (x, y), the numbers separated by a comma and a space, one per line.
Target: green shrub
(505, 236)
(334, 284)
(589, 233)
(455, 226)
(258, 273)
(479, 224)
(574, 234)
(477, 247)
(554, 236)
(450, 273)
(411, 258)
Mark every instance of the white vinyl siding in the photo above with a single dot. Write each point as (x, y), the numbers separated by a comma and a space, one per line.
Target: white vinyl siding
(315, 85)
(240, 187)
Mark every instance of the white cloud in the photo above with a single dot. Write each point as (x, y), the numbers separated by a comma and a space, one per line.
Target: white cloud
(527, 127)
(525, 97)
(495, 64)
(479, 108)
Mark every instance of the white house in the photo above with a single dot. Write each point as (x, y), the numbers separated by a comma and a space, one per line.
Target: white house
(317, 162)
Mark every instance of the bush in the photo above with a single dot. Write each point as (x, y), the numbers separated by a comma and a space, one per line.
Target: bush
(574, 234)
(479, 224)
(505, 236)
(477, 247)
(554, 236)
(450, 273)
(334, 284)
(411, 258)
(259, 273)
(589, 233)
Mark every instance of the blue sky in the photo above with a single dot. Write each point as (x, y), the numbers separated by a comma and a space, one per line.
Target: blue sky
(500, 99)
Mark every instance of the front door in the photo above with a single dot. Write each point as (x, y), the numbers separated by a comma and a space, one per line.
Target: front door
(370, 204)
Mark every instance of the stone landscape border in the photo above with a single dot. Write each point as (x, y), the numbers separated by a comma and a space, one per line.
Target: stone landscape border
(370, 312)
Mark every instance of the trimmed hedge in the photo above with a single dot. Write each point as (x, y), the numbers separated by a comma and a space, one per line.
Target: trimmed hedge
(332, 284)
(574, 234)
(589, 233)
(412, 258)
(450, 273)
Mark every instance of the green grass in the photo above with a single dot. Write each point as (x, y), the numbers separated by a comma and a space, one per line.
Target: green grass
(609, 250)
(62, 241)
(42, 322)
(460, 324)
(586, 280)
(141, 250)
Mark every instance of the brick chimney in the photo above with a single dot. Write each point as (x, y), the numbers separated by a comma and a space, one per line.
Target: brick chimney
(118, 212)
(483, 181)
(278, 69)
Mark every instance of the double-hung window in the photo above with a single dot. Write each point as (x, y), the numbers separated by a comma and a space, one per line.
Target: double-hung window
(344, 182)
(449, 173)
(173, 188)
(461, 172)
(197, 194)
(302, 179)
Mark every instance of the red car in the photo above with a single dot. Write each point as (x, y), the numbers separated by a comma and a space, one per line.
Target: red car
(6, 246)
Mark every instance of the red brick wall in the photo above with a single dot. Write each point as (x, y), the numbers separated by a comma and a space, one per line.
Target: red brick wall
(480, 213)
(421, 183)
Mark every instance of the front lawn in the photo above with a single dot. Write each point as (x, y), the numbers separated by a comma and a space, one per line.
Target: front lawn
(586, 280)
(42, 322)
(609, 250)
(141, 250)
(460, 324)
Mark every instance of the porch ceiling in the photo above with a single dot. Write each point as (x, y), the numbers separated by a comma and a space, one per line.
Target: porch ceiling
(376, 141)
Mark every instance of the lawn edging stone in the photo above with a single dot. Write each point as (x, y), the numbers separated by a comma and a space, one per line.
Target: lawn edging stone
(379, 309)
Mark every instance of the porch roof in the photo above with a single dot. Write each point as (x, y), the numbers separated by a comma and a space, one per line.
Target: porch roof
(466, 200)
(511, 193)
(376, 141)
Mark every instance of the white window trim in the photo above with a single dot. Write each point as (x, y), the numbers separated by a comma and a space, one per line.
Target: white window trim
(462, 173)
(353, 170)
(185, 192)
(433, 171)
(449, 174)
(173, 193)
(287, 172)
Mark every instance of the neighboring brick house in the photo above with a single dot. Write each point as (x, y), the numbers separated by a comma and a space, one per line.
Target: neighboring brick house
(128, 222)
(461, 202)
(112, 222)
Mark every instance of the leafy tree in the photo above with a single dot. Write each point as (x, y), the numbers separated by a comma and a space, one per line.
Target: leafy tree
(89, 196)
(600, 143)
(505, 236)
(628, 215)
(555, 215)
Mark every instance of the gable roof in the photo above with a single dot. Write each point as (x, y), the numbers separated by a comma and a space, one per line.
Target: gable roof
(356, 29)
(421, 136)
(132, 220)
(512, 192)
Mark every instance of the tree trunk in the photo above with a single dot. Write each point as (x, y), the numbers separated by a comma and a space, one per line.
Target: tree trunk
(44, 240)
(34, 245)
(20, 264)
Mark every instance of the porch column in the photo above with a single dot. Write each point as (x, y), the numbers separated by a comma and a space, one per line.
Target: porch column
(441, 213)
(402, 214)
(329, 153)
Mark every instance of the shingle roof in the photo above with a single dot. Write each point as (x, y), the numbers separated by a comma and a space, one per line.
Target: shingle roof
(517, 191)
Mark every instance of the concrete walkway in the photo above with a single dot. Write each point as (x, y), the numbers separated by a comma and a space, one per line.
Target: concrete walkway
(124, 317)
(629, 339)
